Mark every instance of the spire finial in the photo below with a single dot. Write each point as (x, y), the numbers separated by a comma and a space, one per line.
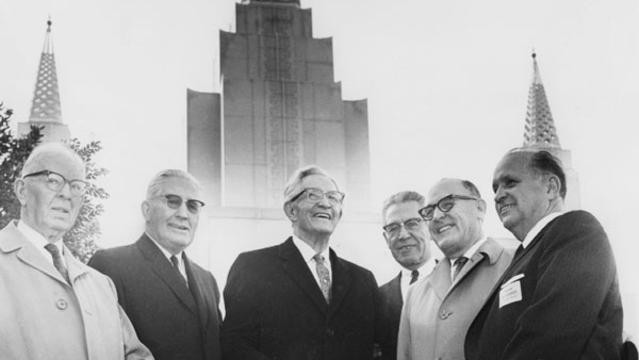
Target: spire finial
(540, 127)
(49, 22)
(534, 53)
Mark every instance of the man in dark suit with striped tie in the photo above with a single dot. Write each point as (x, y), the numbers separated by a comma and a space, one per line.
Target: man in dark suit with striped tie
(172, 302)
(405, 235)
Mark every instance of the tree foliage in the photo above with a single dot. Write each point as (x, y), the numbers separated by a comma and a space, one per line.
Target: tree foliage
(81, 239)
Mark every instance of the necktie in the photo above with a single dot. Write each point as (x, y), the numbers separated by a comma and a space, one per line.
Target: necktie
(414, 275)
(324, 276)
(519, 250)
(57, 260)
(176, 266)
(459, 264)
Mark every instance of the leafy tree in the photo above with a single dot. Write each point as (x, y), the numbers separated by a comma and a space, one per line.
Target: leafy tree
(14, 151)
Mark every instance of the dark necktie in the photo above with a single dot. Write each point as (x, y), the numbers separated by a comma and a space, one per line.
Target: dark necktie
(57, 260)
(519, 250)
(324, 276)
(459, 264)
(176, 266)
(414, 275)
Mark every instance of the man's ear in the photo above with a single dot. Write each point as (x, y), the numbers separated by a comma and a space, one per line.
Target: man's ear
(290, 211)
(19, 188)
(146, 210)
(481, 206)
(553, 186)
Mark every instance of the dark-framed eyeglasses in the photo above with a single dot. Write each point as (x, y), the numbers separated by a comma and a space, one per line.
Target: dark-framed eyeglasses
(175, 201)
(444, 204)
(395, 228)
(56, 182)
(315, 194)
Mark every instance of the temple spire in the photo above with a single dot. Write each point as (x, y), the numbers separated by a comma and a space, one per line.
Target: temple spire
(46, 96)
(46, 111)
(540, 127)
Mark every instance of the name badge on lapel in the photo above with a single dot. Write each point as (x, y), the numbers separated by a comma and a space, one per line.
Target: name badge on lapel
(510, 291)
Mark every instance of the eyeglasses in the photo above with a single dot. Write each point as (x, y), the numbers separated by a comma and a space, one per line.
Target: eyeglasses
(444, 204)
(175, 201)
(56, 182)
(314, 194)
(394, 229)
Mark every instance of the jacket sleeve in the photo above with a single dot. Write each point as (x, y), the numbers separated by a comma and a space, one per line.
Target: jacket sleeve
(576, 275)
(241, 328)
(403, 335)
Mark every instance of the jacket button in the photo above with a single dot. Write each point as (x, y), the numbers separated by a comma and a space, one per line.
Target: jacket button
(61, 304)
(444, 314)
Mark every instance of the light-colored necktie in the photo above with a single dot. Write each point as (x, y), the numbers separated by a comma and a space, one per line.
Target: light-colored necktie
(324, 276)
(57, 260)
(459, 264)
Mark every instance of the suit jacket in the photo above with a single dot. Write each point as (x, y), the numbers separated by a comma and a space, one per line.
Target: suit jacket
(44, 317)
(559, 299)
(275, 309)
(438, 312)
(173, 320)
(391, 309)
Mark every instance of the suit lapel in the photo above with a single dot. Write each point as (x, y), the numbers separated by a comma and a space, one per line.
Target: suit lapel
(341, 282)
(199, 290)
(161, 266)
(296, 268)
(11, 239)
(396, 289)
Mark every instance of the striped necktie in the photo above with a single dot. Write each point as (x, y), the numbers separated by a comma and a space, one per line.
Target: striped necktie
(324, 276)
(57, 260)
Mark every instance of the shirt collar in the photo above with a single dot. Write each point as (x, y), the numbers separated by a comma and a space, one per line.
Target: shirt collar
(423, 270)
(38, 240)
(472, 250)
(538, 227)
(166, 253)
(307, 251)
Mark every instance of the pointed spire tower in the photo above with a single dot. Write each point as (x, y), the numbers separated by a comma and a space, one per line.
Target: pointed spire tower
(540, 134)
(45, 108)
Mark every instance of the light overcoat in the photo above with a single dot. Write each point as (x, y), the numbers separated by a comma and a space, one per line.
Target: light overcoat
(437, 312)
(43, 317)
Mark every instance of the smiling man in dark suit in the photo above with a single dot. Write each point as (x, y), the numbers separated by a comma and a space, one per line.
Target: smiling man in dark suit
(559, 299)
(406, 237)
(172, 302)
(298, 300)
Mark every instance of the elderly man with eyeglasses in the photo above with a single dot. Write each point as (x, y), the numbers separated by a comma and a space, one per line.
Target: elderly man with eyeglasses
(54, 306)
(299, 300)
(172, 302)
(438, 310)
(406, 236)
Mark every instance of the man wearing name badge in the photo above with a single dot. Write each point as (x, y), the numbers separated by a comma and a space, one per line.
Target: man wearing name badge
(54, 306)
(299, 300)
(559, 299)
(171, 300)
(439, 310)
(405, 235)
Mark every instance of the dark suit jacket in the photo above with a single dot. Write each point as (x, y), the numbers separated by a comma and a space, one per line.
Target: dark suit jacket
(391, 310)
(275, 309)
(174, 321)
(570, 306)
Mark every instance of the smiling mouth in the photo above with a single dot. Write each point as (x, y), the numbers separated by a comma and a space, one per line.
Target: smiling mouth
(62, 210)
(179, 227)
(444, 228)
(504, 208)
(323, 216)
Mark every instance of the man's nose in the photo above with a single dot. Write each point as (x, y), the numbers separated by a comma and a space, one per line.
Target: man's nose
(499, 194)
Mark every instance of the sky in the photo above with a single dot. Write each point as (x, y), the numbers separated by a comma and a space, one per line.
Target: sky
(446, 83)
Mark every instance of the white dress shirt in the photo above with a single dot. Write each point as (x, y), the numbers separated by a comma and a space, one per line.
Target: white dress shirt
(424, 271)
(40, 242)
(538, 227)
(308, 253)
(468, 254)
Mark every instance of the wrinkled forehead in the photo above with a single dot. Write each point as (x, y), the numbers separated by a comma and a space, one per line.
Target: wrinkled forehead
(513, 164)
(402, 211)
(446, 187)
(318, 181)
(63, 163)
(181, 186)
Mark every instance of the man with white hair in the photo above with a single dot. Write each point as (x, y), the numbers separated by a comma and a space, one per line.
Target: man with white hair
(172, 302)
(298, 300)
(54, 306)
